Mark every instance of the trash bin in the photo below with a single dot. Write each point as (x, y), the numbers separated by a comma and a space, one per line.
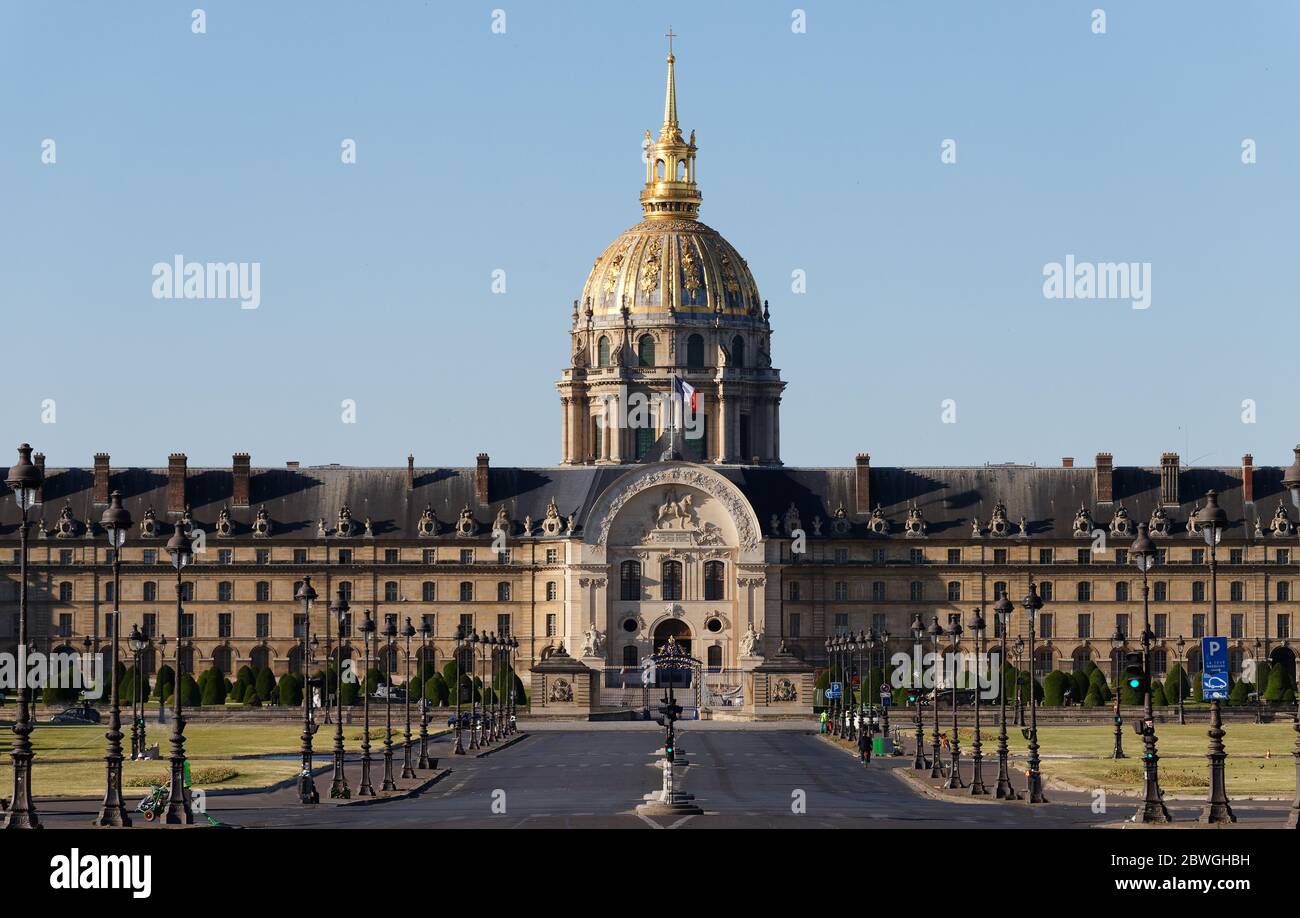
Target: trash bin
(877, 745)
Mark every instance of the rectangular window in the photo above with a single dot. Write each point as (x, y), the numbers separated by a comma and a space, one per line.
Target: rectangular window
(262, 556)
(1284, 556)
(65, 624)
(551, 627)
(1238, 625)
(954, 591)
(1084, 556)
(65, 555)
(999, 556)
(503, 624)
(552, 556)
(149, 625)
(223, 625)
(795, 593)
(429, 556)
(1045, 625)
(916, 589)
(225, 556)
(503, 556)
(1198, 624)
(263, 591)
(878, 621)
(1283, 591)
(1121, 625)
(225, 591)
(429, 591)
(300, 556)
(390, 591)
(149, 556)
(1046, 556)
(1234, 556)
(1083, 591)
(345, 556)
(841, 621)
(841, 591)
(1160, 622)
(187, 624)
(1283, 626)
(467, 556)
(878, 591)
(391, 556)
(841, 556)
(263, 625)
(796, 629)
(1121, 591)
(878, 556)
(1198, 591)
(1160, 591)
(1045, 590)
(954, 556)
(1085, 625)
(1236, 591)
(1198, 556)
(916, 555)
(108, 591)
(1121, 556)
(552, 591)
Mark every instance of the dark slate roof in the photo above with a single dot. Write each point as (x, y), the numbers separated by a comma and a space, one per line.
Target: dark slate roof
(948, 497)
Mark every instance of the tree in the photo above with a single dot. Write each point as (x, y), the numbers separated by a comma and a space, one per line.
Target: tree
(1158, 698)
(265, 684)
(1277, 686)
(1195, 681)
(1263, 672)
(1240, 693)
(165, 682)
(1054, 686)
(435, 689)
(213, 690)
(190, 695)
(290, 690)
(374, 678)
(1093, 698)
(1176, 685)
(1080, 683)
(1098, 680)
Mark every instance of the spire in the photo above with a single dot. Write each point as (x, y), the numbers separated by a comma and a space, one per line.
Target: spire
(670, 190)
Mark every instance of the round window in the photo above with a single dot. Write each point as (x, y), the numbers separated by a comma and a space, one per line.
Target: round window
(714, 625)
(630, 626)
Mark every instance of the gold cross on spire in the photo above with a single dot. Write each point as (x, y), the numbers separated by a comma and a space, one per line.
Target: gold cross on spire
(670, 36)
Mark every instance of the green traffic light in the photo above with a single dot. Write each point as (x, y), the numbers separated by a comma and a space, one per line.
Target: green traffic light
(1134, 683)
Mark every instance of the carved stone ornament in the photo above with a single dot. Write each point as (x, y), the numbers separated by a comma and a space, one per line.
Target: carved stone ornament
(552, 524)
(370, 530)
(528, 525)
(502, 522)
(877, 523)
(593, 644)
(774, 525)
(187, 521)
(561, 691)
(427, 527)
(225, 529)
(262, 523)
(149, 525)
(975, 530)
(1083, 525)
(344, 529)
(1259, 530)
(751, 643)
(817, 525)
(1024, 527)
(915, 525)
(570, 524)
(66, 527)
(840, 524)
(1159, 522)
(784, 691)
(1121, 524)
(708, 482)
(999, 525)
(1193, 527)
(321, 530)
(792, 521)
(1281, 525)
(465, 525)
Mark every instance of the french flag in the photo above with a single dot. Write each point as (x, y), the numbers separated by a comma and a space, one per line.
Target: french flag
(686, 391)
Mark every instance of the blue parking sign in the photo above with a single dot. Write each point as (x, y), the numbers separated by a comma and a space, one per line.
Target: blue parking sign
(1214, 675)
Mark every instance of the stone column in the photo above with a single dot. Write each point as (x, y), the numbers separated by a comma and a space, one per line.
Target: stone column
(723, 423)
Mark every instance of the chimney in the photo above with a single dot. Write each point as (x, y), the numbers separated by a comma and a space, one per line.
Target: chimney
(410, 471)
(176, 483)
(38, 460)
(1248, 478)
(1105, 478)
(1169, 478)
(862, 482)
(101, 478)
(1067, 462)
(240, 466)
(292, 464)
(481, 479)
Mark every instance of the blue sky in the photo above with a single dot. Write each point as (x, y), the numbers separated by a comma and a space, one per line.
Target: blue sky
(521, 151)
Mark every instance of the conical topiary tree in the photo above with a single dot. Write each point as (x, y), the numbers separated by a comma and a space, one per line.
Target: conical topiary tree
(1240, 693)
(1195, 681)
(190, 695)
(1079, 684)
(1158, 698)
(1093, 698)
(1054, 685)
(1277, 686)
(265, 685)
(290, 690)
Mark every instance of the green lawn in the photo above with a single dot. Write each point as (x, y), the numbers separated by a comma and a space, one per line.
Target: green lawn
(69, 760)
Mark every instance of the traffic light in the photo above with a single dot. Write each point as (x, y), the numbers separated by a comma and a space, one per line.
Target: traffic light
(1135, 672)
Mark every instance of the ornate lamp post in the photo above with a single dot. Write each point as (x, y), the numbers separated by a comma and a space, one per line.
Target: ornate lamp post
(1004, 791)
(367, 637)
(459, 747)
(1153, 809)
(884, 663)
(181, 548)
(1034, 792)
(851, 664)
(514, 701)
(866, 702)
(918, 635)
(977, 786)
(136, 643)
(954, 780)
(493, 652)
(1292, 481)
(936, 634)
(408, 768)
(1217, 809)
(390, 651)
(25, 480)
(830, 678)
(116, 522)
(1259, 689)
(339, 789)
(1182, 679)
(423, 763)
(1019, 647)
(307, 792)
(1117, 641)
(474, 640)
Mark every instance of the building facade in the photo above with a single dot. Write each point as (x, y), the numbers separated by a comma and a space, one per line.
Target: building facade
(658, 524)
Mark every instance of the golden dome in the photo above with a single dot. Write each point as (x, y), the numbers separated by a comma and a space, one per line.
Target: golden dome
(663, 266)
(670, 262)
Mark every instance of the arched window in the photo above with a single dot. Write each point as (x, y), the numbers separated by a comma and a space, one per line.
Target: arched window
(466, 591)
(629, 581)
(429, 591)
(221, 659)
(187, 660)
(738, 351)
(645, 350)
(714, 588)
(503, 592)
(602, 352)
(695, 352)
(672, 580)
(715, 657)
(630, 657)
(260, 658)
(390, 591)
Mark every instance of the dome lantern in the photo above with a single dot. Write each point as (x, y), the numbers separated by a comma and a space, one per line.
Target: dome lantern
(670, 189)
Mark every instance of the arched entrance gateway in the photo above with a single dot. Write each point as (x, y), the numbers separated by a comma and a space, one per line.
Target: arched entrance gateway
(673, 628)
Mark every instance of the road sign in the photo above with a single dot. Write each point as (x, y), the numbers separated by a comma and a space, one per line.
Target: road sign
(885, 690)
(1214, 675)
(835, 690)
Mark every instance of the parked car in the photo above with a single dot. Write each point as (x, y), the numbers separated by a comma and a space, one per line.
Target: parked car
(395, 692)
(81, 714)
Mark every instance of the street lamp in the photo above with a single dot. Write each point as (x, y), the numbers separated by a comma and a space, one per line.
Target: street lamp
(868, 640)
(181, 548)
(425, 631)
(1153, 809)
(514, 701)
(918, 636)
(1117, 641)
(367, 638)
(1004, 791)
(339, 789)
(25, 479)
(954, 780)
(1182, 679)
(884, 664)
(116, 521)
(459, 747)
(136, 643)
(830, 679)
(1292, 481)
(1019, 647)
(977, 786)
(1213, 521)
(390, 651)
(936, 634)
(473, 698)
(1032, 604)
(307, 792)
(489, 722)
(1259, 689)
(408, 768)
(493, 652)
